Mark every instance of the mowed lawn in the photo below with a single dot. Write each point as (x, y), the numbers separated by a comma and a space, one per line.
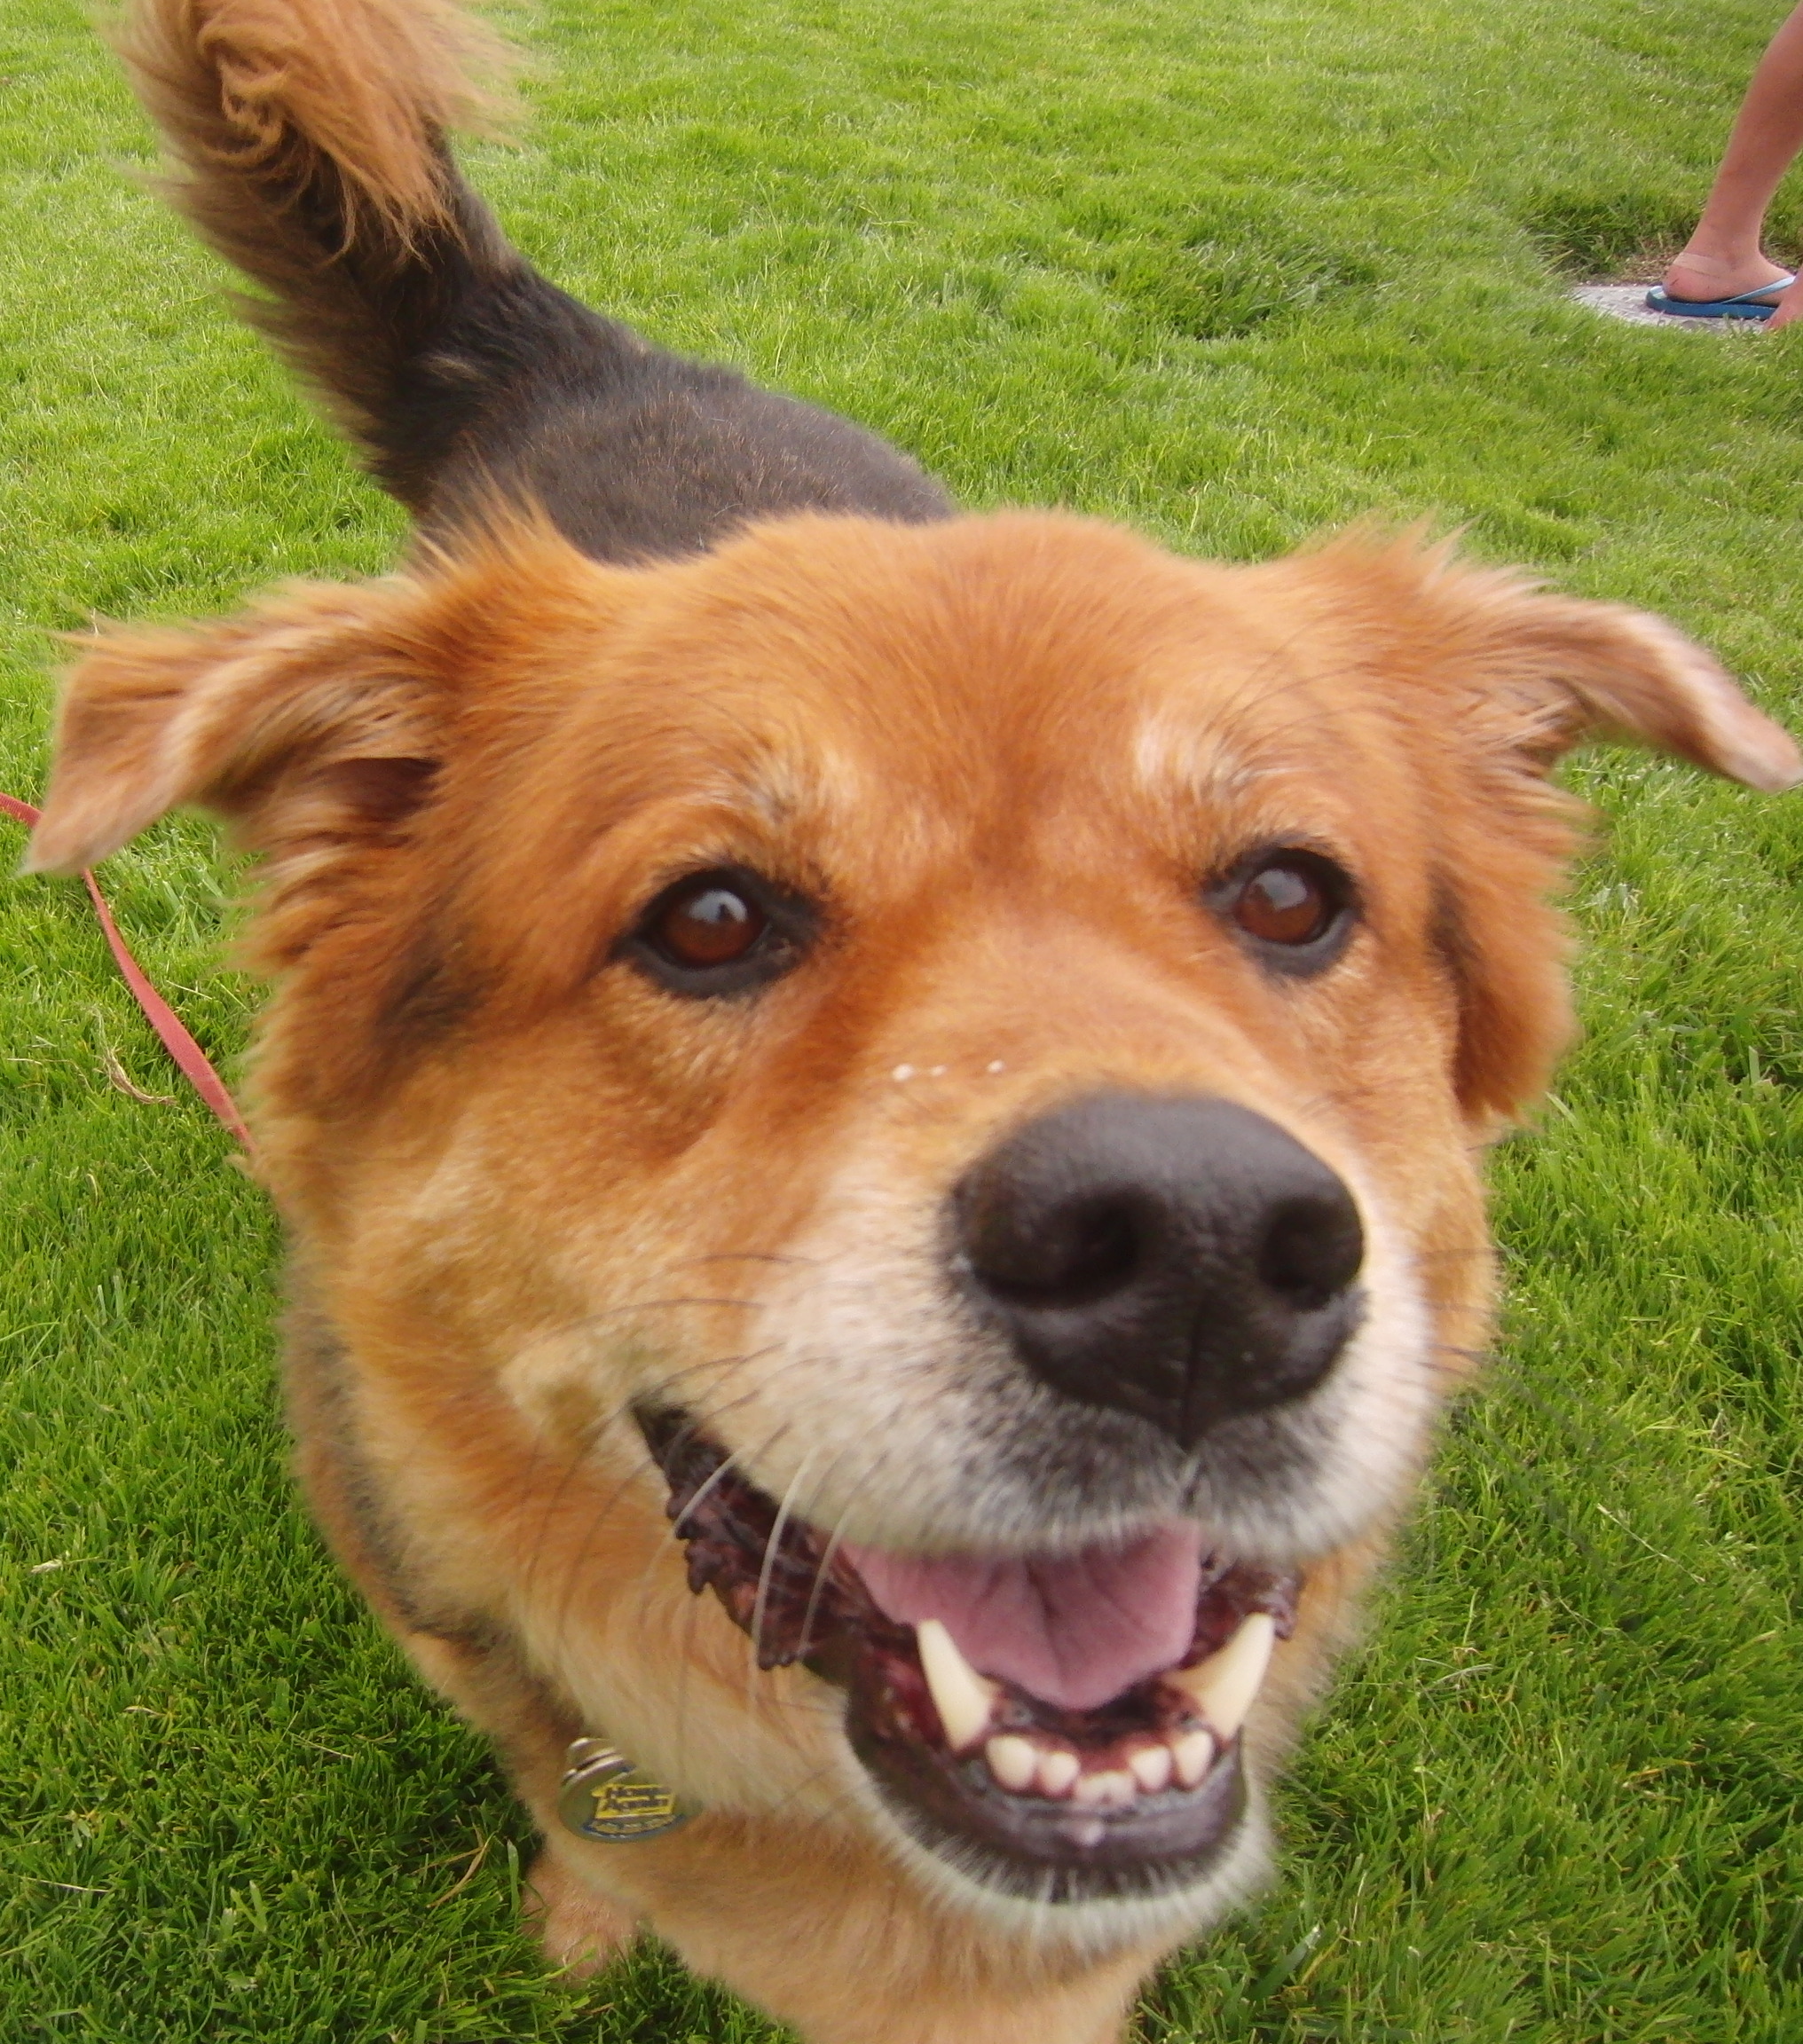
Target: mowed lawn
(1235, 272)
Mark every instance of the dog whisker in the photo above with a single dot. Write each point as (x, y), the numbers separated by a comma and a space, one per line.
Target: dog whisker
(772, 1544)
(642, 1467)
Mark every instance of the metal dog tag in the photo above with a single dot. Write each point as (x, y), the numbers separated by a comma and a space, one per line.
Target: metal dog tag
(605, 1797)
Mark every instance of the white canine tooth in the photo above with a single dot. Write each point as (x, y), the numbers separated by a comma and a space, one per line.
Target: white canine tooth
(1224, 1685)
(1058, 1768)
(1014, 1761)
(1109, 1789)
(1191, 1758)
(1151, 1766)
(964, 1700)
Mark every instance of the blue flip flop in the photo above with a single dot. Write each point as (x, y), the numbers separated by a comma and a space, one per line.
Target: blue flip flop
(1746, 306)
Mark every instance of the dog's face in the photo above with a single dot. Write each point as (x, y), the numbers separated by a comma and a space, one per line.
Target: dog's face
(949, 1059)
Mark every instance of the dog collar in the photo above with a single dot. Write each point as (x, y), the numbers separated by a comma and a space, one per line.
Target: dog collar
(603, 1796)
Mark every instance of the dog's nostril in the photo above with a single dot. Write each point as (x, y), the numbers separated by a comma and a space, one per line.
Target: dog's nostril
(1077, 1252)
(1312, 1249)
(1100, 1254)
(1181, 1257)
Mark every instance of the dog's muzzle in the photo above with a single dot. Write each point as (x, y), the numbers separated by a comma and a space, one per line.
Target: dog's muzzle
(1099, 1757)
(1182, 1259)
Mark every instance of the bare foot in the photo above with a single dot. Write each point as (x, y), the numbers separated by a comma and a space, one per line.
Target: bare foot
(1698, 276)
(1790, 307)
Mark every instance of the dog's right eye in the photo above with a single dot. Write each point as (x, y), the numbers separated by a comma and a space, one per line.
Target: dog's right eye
(707, 924)
(718, 932)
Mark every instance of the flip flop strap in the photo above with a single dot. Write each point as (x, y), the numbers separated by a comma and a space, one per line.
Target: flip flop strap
(1758, 291)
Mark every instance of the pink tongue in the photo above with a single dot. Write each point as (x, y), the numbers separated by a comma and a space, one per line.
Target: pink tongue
(1073, 1631)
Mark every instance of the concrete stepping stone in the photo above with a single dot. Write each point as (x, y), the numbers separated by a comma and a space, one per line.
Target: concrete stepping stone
(1629, 302)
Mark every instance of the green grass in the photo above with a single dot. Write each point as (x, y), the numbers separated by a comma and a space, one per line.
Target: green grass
(1231, 273)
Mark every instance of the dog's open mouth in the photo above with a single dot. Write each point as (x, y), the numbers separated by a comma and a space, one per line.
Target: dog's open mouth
(1097, 1751)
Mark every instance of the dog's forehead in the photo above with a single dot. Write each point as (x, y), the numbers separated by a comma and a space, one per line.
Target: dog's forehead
(983, 675)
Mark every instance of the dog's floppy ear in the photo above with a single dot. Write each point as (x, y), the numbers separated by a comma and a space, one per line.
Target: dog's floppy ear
(1517, 675)
(321, 695)
(1545, 674)
(1498, 680)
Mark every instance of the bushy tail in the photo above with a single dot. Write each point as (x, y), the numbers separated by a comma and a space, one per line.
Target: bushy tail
(309, 137)
(310, 141)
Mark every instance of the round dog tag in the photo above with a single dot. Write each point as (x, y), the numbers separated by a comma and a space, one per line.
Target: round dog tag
(605, 1797)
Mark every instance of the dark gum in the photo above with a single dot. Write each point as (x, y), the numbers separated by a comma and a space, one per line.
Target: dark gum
(951, 1804)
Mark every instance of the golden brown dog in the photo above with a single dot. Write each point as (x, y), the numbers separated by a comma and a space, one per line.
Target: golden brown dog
(915, 1075)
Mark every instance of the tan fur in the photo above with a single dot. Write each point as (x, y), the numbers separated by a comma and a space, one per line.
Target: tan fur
(308, 142)
(259, 97)
(524, 1184)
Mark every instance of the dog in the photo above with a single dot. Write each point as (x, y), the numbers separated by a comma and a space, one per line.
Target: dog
(876, 1110)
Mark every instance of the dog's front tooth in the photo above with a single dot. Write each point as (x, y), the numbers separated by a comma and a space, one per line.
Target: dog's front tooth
(1058, 1768)
(1222, 1687)
(1014, 1761)
(1151, 1766)
(1111, 1789)
(965, 1700)
(1192, 1755)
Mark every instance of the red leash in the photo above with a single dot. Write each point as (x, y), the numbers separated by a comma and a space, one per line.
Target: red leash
(176, 1040)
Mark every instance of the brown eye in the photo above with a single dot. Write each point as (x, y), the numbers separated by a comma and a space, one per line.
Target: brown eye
(1297, 906)
(728, 931)
(708, 924)
(1284, 903)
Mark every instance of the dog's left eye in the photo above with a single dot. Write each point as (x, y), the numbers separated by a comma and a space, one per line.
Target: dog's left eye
(718, 932)
(1297, 906)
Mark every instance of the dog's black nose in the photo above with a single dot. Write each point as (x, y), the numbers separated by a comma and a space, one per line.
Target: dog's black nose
(1179, 1258)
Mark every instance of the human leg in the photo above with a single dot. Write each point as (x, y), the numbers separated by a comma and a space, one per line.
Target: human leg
(1723, 256)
